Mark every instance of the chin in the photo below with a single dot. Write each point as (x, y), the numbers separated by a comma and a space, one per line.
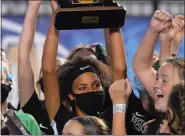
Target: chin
(160, 108)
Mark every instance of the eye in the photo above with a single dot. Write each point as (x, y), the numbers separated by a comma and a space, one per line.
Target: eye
(82, 88)
(97, 85)
(165, 81)
(157, 78)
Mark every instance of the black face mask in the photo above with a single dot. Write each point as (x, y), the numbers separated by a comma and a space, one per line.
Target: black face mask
(90, 103)
(5, 89)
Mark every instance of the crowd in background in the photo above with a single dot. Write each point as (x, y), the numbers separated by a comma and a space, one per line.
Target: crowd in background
(88, 92)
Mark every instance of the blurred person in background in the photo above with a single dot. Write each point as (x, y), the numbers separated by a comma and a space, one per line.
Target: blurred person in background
(6, 85)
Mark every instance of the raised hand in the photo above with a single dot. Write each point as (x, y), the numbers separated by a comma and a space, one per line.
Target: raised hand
(160, 21)
(120, 91)
(179, 20)
(164, 128)
(169, 33)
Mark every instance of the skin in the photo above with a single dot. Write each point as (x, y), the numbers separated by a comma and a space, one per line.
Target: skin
(25, 71)
(119, 92)
(160, 22)
(84, 53)
(166, 77)
(73, 128)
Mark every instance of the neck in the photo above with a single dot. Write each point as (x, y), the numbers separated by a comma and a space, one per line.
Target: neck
(148, 104)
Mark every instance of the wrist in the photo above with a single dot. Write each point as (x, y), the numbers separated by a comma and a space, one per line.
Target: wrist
(119, 102)
(165, 44)
(153, 31)
(119, 108)
(34, 5)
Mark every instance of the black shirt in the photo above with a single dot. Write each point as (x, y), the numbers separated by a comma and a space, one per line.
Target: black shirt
(63, 115)
(136, 116)
(5, 131)
(37, 109)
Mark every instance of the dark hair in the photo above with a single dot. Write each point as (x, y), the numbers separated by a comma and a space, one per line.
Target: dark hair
(92, 125)
(177, 104)
(79, 48)
(64, 70)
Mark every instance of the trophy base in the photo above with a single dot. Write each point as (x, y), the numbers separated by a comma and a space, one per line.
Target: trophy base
(90, 17)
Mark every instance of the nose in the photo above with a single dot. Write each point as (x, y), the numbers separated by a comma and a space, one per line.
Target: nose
(156, 85)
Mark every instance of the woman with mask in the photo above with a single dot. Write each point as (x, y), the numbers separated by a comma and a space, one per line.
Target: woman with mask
(6, 83)
(79, 79)
(158, 85)
(6, 87)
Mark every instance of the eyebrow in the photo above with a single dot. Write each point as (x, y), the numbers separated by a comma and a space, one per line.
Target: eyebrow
(91, 84)
(165, 76)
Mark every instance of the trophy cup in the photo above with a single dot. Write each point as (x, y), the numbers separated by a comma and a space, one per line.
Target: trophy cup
(89, 14)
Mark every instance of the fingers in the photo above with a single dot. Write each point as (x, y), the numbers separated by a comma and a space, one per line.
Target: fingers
(129, 87)
(164, 128)
(147, 123)
(156, 14)
(162, 16)
(167, 25)
(179, 22)
(179, 17)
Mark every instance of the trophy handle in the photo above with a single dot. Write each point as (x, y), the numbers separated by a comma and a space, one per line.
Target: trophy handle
(106, 1)
(64, 3)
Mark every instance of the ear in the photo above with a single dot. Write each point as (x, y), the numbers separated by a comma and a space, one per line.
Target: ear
(71, 97)
(170, 112)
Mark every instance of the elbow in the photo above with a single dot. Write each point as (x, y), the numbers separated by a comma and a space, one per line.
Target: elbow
(47, 69)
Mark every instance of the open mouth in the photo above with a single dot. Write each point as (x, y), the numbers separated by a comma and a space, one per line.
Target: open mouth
(158, 96)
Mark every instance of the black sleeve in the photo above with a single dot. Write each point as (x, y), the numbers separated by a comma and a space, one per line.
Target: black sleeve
(62, 116)
(107, 114)
(34, 106)
(5, 131)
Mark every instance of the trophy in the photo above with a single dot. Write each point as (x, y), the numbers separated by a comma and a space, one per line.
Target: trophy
(89, 14)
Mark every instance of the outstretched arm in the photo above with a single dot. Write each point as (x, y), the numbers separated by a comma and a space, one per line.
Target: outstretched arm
(50, 80)
(25, 72)
(142, 62)
(119, 92)
(117, 54)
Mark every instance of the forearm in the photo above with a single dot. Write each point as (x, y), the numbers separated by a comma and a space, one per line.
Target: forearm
(107, 44)
(28, 32)
(144, 54)
(174, 47)
(118, 55)
(118, 126)
(25, 81)
(50, 49)
(165, 51)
